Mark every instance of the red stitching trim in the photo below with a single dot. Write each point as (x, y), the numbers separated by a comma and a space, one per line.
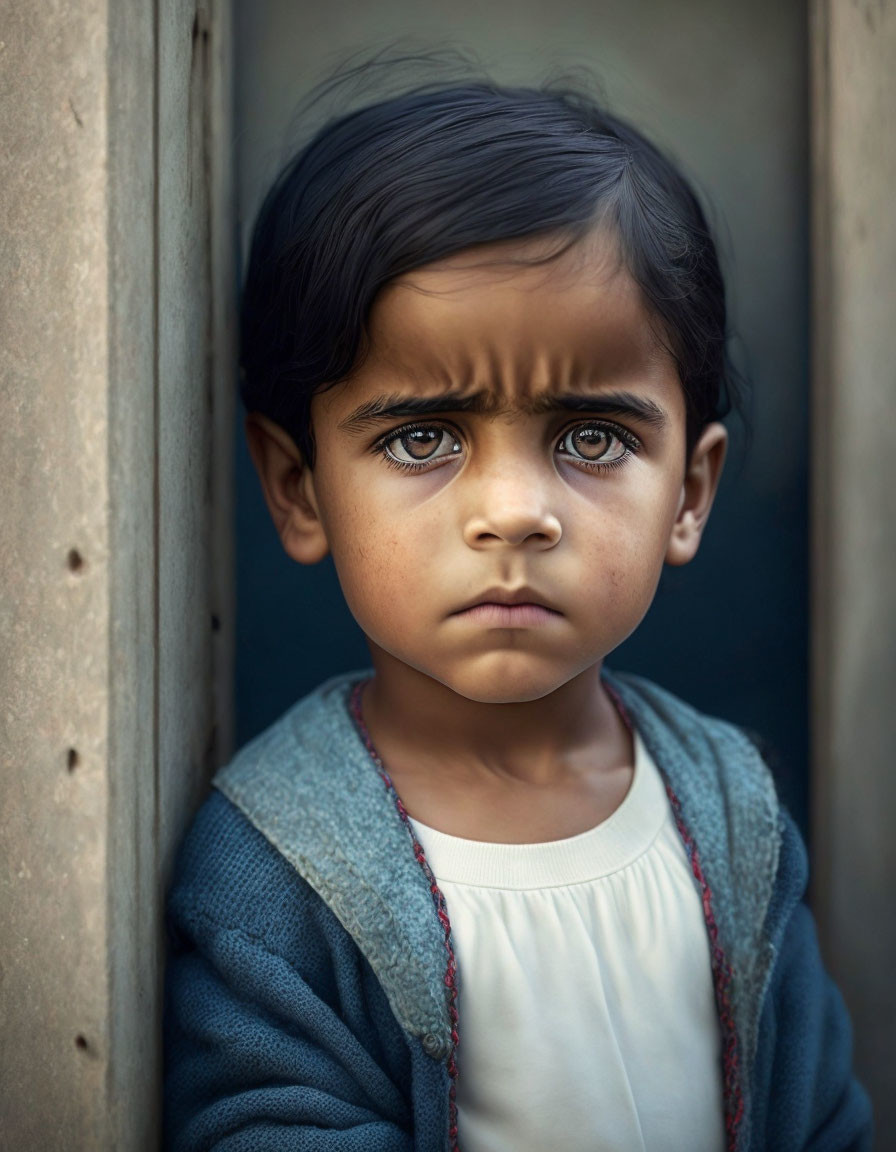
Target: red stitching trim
(440, 906)
(721, 971)
(620, 707)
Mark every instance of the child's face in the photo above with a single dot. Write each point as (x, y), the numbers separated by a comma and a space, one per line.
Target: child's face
(556, 465)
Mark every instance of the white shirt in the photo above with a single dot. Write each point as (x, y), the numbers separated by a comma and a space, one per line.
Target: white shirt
(587, 1015)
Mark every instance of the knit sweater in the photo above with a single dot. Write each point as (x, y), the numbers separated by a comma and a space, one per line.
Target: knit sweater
(310, 996)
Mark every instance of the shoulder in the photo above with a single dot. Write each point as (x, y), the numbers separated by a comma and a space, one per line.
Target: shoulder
(700, 756)
(309, 786)
(719, 784)
(314, 731)
(231, 872)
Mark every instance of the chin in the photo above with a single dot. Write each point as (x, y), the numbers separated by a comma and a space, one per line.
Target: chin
(502, 681)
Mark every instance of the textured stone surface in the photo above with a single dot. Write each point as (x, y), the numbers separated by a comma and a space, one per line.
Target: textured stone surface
(54, 622)
(114, 205)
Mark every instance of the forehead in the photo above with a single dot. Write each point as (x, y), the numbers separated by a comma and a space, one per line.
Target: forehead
(514, 320)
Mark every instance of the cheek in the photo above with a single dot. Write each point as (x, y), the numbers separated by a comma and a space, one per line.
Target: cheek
(625, 546)
(377, 562)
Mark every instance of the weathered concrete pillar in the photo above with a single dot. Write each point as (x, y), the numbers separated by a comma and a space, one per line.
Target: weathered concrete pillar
(854, 520)
(116, 360)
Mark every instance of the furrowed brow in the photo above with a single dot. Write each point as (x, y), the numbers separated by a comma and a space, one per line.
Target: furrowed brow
(625, 404)
(400, 407)
(397, 407)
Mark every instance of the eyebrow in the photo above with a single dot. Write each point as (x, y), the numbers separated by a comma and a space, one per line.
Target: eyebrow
(624, 404)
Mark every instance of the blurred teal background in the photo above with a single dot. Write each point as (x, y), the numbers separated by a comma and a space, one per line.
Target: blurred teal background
(722, 86)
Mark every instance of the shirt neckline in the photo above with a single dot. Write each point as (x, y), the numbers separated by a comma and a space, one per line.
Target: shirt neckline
(608, 847)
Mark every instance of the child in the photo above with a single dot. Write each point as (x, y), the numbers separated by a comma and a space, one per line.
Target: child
(488, 895)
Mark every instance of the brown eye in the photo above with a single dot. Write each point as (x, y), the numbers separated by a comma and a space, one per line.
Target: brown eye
(421, 445)
(594, 443)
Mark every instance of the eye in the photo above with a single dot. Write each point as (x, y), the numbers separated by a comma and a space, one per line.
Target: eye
(597, 444)
(419, 444)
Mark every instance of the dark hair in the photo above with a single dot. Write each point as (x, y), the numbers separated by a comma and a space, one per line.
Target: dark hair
(418, 176)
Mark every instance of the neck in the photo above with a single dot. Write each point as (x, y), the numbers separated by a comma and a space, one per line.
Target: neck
(418, 722)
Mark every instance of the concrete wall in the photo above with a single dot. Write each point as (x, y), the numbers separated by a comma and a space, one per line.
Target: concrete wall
(116, 366)
(854, 526)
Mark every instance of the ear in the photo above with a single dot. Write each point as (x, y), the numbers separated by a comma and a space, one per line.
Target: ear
(698, 491)
(288, 486)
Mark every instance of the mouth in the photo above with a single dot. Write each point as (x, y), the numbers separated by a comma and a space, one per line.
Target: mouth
(504, 607)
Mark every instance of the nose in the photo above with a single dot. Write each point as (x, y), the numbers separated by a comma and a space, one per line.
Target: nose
(511, 507)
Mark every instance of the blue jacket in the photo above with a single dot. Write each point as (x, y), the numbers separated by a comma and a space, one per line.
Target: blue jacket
(308, 1001)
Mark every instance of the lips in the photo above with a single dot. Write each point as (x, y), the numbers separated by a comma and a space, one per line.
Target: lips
(509, 597)
(491, 615)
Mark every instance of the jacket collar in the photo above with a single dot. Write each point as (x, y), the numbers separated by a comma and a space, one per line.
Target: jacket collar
(309, 785)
